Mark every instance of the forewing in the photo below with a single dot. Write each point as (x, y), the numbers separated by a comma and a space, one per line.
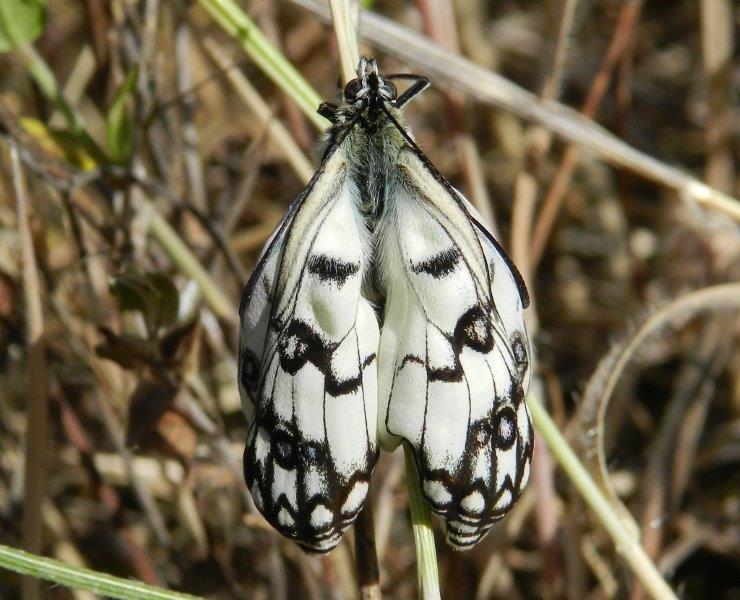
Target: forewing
(453, 357)
(307, 367)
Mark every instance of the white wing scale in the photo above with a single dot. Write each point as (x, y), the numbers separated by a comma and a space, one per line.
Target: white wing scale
(307, 366)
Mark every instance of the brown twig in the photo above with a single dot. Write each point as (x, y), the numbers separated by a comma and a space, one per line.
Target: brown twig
(368, 574)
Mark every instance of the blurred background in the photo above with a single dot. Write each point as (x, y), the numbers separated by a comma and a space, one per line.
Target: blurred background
(121, 429)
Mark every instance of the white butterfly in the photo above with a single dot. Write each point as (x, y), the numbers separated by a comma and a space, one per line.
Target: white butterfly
(379, 236)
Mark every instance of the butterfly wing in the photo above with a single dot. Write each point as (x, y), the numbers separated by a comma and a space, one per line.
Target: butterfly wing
(453, 356)
(307, 366)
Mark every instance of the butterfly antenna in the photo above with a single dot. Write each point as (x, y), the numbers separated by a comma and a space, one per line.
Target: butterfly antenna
(421, 83)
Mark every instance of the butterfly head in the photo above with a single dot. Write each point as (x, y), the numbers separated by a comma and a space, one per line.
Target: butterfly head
(369, 85)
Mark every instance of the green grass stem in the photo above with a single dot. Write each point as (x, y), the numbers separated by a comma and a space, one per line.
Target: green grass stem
(103, 584)
(421, 520)
(266, 56)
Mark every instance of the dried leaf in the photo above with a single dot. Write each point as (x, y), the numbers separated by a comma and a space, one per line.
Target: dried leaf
(180, 347)
(128, 350)
(178, 434)
(148, 403)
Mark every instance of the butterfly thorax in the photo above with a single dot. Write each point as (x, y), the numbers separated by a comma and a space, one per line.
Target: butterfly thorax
(372, 150)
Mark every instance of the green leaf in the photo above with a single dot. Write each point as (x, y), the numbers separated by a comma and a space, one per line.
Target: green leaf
(21, 22)
(119, 129)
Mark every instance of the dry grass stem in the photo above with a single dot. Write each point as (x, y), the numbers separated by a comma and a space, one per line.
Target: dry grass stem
(278, 135)
(36, 440)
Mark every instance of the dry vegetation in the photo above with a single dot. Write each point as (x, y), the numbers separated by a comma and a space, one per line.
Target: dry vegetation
(120, 425)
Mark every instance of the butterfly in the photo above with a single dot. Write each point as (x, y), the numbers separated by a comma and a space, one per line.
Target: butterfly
(382, 310)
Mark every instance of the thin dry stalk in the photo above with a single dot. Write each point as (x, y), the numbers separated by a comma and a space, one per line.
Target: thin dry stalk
(116, 436)
(599, 567)
(521, 225)
(77, 436)
(280, 138)
(37, 408)
(543, 479)
(386, 505)
(717, 42)
(344, 19)
(63, 544)
(526, 189)
(74, 88)
(193, 168)
(497, 580)
(366, 554)
(302, 132)
(252, 161)
(438, 17)
(665, 477)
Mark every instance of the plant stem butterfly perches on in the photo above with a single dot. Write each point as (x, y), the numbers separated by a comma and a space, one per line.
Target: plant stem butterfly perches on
(382, 310)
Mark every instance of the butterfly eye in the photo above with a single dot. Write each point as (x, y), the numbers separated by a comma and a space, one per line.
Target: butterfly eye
(352, 89)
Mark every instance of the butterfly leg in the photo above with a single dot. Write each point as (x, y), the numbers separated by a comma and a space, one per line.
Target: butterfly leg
(328, 110)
